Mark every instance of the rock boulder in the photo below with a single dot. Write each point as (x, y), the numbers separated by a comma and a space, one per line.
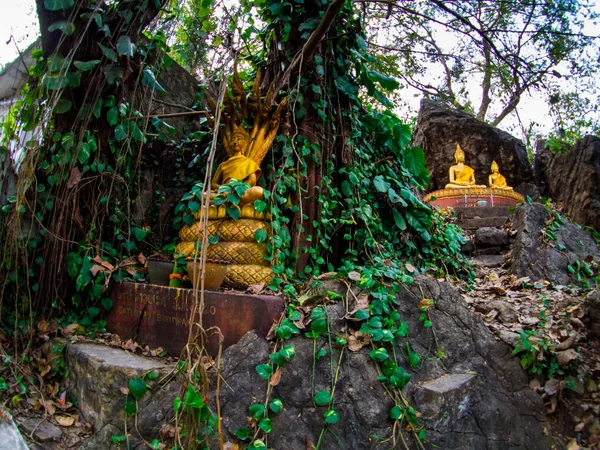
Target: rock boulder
(468, 388)
(573, 179)
(536, 259)
(438, 131)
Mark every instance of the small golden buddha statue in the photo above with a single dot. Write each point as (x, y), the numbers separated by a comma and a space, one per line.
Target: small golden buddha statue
(496, 180)
(239, 167)
(461, 175)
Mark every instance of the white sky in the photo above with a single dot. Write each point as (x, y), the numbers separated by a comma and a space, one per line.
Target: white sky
(18, 18)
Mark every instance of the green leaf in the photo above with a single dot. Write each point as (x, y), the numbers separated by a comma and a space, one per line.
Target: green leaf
(85, 275)
(63, 25)
(154, 445)
(322, 398)
(120, 132)
(265, 425)
(86, 66)
(233, 212)
(56, 63)
(194, 206)
(62, 106)
(260, 235)
(399, 220)
(264, 370)
(256, 410)
(276, 405)
(346, 189)
(346, 86)
(108, 52)
(73, 264)
(112, 116)
(57, 5)
(413, 359)
(242, 433)
(331, 417)
(137, 388)
(125, 47)
(107, 304)
(116, 439)
(395, 413)
(322, 352)
(149, 80)
(260, 206)
(176, 404)
(414, 161)
(93, 311)
(379, 354)
(130, 408)
(139, 234)
(55, 82)
(380, 184)
(84, 153)
(395, 198)
(386, 82)
(113, 73)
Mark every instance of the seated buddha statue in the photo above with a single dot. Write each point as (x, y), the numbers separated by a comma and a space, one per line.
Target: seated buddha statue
(239, 167)
(461, 175)
(496, 180)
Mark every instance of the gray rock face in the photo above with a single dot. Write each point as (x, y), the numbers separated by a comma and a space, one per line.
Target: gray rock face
(490, 237)
(573, 179)
(97, 375)
(533, 258)
(438, 131)
(10, 438)
(475, 396)
(41, 430)
(592, 316)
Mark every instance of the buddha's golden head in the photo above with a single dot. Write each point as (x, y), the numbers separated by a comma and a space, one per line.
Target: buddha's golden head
(238, 140)
(459, 154)
(495, 168)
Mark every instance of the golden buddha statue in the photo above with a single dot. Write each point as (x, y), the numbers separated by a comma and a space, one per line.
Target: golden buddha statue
(237, 248)
(496, 180)
(461, 176)
(239, 167)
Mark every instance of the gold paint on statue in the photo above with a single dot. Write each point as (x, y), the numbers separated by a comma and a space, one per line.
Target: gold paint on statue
(237, 248)
(496, 180)
(461, 175)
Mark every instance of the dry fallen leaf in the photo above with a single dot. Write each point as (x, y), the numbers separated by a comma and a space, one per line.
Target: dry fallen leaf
(65, 421)
(276, 377)
(565, 357)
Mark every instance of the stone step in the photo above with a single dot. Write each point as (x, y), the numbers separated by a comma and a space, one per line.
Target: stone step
(472, 213)
(99, 380)
(475, 223)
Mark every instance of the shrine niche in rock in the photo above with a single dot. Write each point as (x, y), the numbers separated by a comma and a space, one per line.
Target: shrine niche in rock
(237, 257)
(463, 192)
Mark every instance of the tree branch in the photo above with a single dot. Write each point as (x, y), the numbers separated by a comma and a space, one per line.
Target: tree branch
(309, 48)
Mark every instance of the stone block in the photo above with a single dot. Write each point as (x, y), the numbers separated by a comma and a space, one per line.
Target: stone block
(159, 316)
(491, 261)
(488, 237)
(97, 376)
(481, 213)
(10, 437)
(41, 430)
(475, 223)
(444, 398)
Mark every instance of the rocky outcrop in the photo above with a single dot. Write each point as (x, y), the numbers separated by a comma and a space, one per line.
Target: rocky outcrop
(537, 259)
(472, 395)
(438, 131)
(573, 179)
(99, 380)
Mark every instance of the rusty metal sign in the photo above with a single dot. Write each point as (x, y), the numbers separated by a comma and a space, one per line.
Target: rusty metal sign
(159, 316)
